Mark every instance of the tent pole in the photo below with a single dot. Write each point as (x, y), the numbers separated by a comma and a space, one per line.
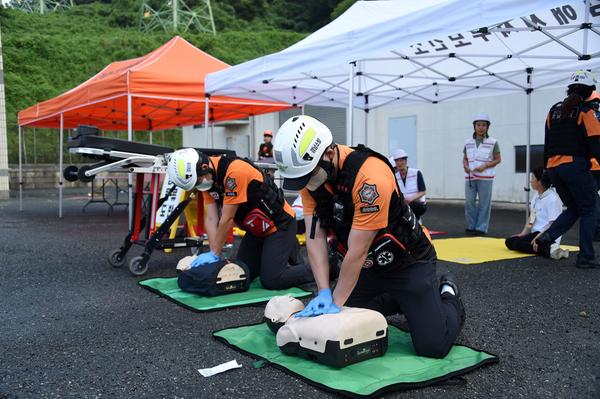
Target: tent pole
(252, 138)
(528, 147)
(366, 120)
(129, 177)
(206, 101)
(60, 167)
(349, 116)
(20, 169)
(366, 127)
(302, 108)
(212, 135)
(150, 137)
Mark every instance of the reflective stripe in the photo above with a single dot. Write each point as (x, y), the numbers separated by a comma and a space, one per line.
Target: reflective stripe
(478, 156)
(411, 186)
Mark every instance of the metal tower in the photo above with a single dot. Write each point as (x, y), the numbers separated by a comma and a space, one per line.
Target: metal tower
(40, 6)
(176, 16)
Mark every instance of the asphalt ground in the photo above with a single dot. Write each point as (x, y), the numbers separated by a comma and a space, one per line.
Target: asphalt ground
(71, 326)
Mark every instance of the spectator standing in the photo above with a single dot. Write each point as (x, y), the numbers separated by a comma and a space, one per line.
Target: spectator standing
(265, 151)
(481, 154)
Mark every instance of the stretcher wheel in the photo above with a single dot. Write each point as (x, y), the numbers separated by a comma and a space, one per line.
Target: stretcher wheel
(70, 173)
(81, 174)
(137, 267)
(115, 260)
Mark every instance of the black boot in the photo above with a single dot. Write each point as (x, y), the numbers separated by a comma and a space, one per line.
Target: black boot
(448, 278)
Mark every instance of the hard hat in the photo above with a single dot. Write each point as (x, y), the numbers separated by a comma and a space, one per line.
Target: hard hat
(268, 133)
(298, 147)
(582, 77)
(482, 117)
(399, 154)
(279, 309)
(185, 166)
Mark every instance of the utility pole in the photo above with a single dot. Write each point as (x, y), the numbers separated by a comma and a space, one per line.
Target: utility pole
(4, 174)
(174, 16)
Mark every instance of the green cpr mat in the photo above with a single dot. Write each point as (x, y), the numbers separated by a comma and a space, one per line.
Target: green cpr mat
(400, 368)
(168, 288)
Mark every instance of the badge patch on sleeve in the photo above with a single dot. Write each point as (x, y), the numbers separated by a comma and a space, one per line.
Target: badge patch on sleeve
(368, 193)
(230, 184)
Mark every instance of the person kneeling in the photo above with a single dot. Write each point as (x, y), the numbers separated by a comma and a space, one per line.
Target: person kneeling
(544, 209)
(233, 189)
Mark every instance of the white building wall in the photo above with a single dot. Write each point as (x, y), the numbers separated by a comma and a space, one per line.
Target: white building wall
(442, 129)
(441, 132)
(242, 136)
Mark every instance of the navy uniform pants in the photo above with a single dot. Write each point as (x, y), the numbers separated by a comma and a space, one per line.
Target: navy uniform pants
(269, 258)
(413, 290)
(577, 189)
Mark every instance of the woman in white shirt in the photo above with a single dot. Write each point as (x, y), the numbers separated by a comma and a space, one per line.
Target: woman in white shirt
(545, 208)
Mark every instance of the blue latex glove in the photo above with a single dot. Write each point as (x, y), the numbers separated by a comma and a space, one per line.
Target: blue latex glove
(321, 304)
(204, 258)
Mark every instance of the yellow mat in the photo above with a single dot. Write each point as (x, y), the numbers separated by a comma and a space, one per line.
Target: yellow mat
(471, 250)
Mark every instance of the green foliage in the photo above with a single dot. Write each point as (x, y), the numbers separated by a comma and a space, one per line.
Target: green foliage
(46, 55)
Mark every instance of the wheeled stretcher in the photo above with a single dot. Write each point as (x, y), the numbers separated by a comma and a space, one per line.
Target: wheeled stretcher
(156, 208)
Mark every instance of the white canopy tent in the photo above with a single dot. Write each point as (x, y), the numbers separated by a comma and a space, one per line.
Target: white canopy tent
(425, 51)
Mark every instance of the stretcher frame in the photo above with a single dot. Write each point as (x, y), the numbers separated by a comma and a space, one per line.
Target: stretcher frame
(142, 229)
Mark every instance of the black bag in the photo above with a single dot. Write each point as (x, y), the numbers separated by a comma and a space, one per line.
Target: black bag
(217, 278)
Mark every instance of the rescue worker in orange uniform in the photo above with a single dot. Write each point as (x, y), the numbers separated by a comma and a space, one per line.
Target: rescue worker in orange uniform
(265, 151)
(572, 138)
(389, 263)
(234, 190)
(594, 102)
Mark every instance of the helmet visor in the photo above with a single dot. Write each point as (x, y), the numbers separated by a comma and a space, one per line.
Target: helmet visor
(297, 183)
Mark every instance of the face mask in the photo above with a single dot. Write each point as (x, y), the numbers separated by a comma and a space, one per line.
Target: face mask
(204, 185)
(328, 168)
(317, 180)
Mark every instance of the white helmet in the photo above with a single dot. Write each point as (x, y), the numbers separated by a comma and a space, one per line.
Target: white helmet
(399, 153)
(582, 77)
(183, 166)
(482, 117)
(298, 147)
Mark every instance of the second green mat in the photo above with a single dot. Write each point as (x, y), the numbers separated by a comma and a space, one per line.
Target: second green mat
(400, 368)
(167, 287)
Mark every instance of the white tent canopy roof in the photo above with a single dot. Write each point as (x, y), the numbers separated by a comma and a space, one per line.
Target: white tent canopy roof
(425, 51)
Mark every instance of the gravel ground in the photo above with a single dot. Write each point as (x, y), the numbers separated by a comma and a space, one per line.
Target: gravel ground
(71, 326)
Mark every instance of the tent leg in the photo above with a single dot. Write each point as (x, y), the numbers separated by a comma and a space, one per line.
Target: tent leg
(252, 138)
(212, 135)
(349, 116)
(20, 169)
(206, 104)
(60, 168)
(150, 137)
(129, 177)
(367, 127)
(528, 146)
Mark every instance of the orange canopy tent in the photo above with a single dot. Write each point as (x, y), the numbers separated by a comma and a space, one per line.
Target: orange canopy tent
(161, 90)
(166, 88)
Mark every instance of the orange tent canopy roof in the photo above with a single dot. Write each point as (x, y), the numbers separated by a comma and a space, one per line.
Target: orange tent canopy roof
(166, 88)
